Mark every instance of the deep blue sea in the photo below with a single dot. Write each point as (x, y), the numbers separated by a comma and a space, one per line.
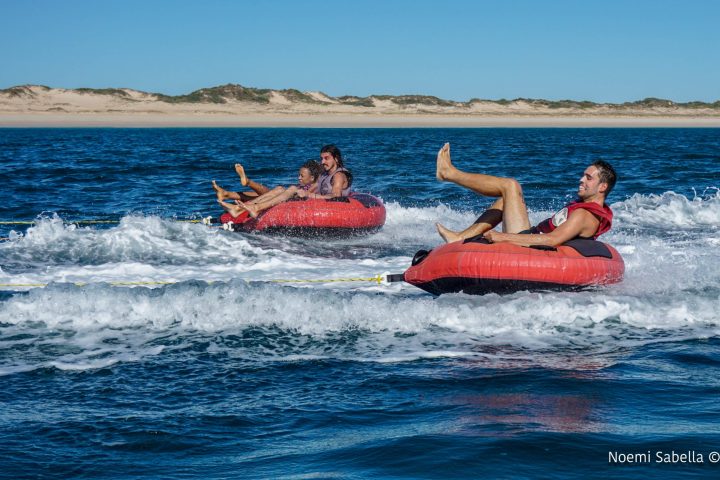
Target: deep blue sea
(225, 374)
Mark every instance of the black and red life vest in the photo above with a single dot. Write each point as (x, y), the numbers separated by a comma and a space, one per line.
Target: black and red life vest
(604, 214)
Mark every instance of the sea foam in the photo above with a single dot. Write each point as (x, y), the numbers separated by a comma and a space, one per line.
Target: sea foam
(224, 288)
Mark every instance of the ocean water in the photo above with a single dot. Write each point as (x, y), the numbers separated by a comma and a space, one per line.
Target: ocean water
(224, 373)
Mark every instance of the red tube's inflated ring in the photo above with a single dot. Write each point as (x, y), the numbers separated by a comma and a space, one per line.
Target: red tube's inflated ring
(357, 213)
(478, 267)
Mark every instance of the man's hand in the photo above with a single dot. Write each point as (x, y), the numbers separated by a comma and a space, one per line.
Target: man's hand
(494, 237)
(580, 223)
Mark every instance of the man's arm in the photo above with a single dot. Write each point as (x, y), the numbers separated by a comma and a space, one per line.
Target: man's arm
(339, 181)
(581, 222)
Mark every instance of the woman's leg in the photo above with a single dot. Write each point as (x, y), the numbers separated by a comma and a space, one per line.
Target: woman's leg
(267, 196)
(489, 219)
(232, 209)
(254, 208)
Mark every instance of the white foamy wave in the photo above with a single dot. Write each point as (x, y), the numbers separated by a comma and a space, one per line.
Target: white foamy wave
(136, 238)
(670, 211)
(150, 249)
(69, 327)
(416, 225)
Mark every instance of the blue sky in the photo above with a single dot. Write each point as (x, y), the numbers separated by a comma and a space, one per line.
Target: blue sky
(605, 50)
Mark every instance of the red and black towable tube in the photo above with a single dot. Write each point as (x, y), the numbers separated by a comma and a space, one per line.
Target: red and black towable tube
(355, 214)
(475, 266)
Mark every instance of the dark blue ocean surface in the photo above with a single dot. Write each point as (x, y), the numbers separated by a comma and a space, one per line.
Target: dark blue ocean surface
(222, 373)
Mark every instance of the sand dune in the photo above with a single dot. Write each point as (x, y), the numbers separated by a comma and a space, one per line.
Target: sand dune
(235, 105)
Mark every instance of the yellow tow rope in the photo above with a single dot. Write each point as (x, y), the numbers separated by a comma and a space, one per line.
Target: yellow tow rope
(378, 279)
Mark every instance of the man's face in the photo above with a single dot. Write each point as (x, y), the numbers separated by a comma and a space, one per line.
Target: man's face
(590, 184)
(328, 161)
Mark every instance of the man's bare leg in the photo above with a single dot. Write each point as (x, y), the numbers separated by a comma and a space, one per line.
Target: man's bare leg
(246, 182)
(514, 212)
(489, 219)
(223, 194)
(241, 173)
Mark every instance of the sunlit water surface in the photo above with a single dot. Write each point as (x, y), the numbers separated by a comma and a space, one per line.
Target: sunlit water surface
(225, 374)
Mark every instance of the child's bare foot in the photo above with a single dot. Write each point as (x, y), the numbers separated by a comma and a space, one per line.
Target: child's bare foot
(221, 193)
(444, 165)
(250, 207)
(233, 210)
(241, 173)
(448, 235)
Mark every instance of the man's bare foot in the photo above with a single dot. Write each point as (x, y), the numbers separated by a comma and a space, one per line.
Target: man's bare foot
(221, 193)
(250, 207)
(241, 173)
(233, 210)
(444, 165)
(448, 235)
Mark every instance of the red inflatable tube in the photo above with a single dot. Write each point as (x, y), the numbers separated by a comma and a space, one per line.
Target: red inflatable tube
(478, 267)
(357, 213)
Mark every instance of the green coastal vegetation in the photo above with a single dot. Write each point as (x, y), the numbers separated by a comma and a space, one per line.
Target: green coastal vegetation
(237, 93)
(224, 93)
(104, 91)
(21, 91)
(649, 102)
(356, 101)
(419, 100)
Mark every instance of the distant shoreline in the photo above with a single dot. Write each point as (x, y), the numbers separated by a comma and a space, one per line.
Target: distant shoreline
(43, 120)
(238, 106)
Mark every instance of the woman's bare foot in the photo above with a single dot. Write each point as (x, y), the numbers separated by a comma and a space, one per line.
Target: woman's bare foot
(444, 165)
(448, 235)
(250, 207)
(241, 173)
(233, 210)
(221, 193)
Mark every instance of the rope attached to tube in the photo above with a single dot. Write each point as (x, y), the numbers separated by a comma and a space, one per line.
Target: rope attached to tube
(379, 279)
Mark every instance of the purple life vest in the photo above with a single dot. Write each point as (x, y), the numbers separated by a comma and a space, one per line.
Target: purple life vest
(325, 182)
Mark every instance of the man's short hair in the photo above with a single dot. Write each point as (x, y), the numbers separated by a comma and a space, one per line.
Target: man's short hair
(607, 174)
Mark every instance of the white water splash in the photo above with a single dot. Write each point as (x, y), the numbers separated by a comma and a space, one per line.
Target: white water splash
(671, 292)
